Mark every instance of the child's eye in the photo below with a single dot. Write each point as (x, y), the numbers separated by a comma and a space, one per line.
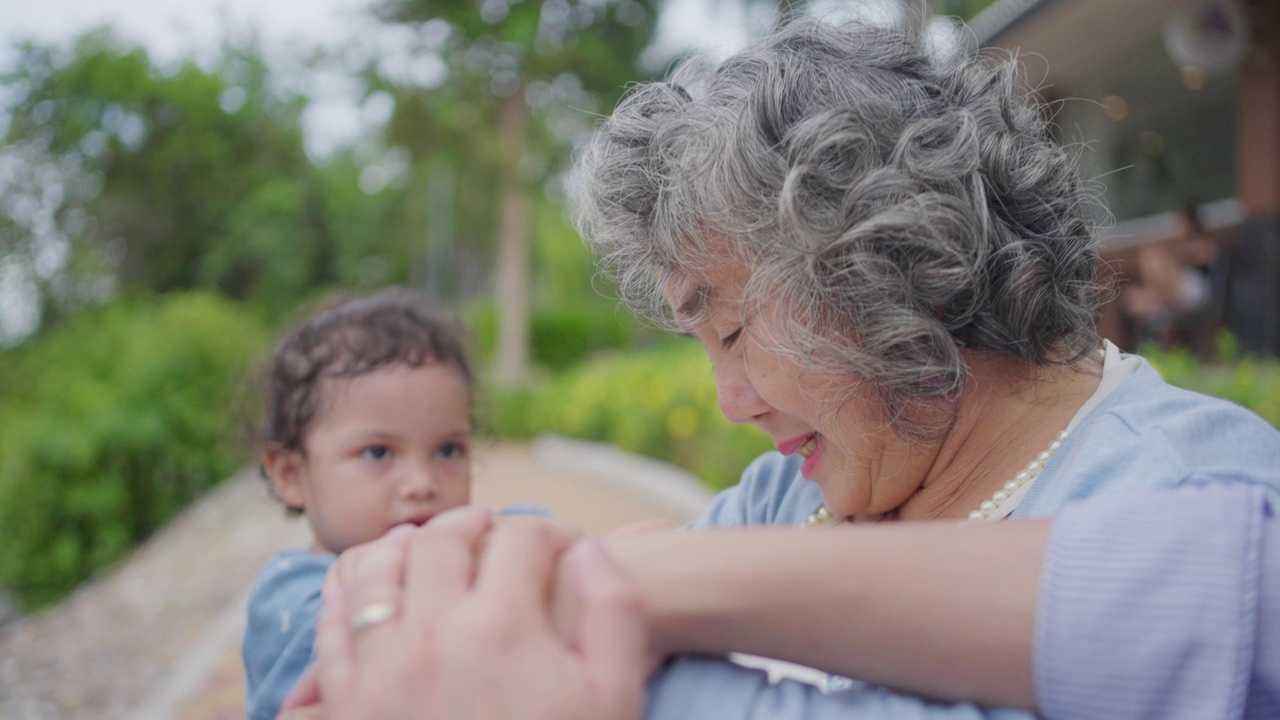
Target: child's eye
(452, 451)
(377, 453)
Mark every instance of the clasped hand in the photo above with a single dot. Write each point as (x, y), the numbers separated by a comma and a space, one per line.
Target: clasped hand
(454, 620)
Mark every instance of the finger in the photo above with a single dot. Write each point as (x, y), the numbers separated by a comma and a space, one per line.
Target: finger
(374, 598)
(332, 675)
(612, 637)
(346, 564)
(521, 559)
(307, 690)
(563, 531)
(442, 560)
(571, 532)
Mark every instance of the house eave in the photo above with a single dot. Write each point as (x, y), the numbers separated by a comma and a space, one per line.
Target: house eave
(1002, 16)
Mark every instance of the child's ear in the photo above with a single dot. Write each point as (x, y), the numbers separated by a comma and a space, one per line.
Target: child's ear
(286, 469)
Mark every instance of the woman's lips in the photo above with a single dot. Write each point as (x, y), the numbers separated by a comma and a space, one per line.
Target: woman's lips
(808, 447)
(790, 447)
(811, 451)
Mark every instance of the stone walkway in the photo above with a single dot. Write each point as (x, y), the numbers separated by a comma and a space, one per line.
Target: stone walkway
(158, 636)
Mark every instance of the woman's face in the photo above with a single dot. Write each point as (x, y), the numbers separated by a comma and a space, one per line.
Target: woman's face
(835, 423)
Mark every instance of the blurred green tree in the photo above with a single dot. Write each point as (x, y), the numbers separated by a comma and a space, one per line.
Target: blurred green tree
(110, 423)
(518, 83)
(117, 173)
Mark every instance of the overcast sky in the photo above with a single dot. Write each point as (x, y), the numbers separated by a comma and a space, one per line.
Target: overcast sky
(178, 28)
(172, 27)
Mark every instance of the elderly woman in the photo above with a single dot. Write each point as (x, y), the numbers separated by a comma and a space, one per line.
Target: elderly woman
(888, 259)
(890, 263)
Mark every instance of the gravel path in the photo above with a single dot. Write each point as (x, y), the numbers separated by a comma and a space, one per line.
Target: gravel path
(157, 636)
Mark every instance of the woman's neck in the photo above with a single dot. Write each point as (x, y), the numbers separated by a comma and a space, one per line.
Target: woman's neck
(1000, 427)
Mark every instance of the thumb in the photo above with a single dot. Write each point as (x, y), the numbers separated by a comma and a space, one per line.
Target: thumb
(332, 676)
(612, 638)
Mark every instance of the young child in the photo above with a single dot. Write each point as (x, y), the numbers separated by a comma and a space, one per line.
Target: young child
(368, 426)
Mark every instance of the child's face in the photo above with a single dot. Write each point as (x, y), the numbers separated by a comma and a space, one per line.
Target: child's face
(389, 447)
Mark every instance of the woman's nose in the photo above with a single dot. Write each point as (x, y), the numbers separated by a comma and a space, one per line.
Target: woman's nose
(739, 401)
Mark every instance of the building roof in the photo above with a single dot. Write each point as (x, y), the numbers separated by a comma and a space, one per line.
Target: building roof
(1078, 40)
(1001, 16)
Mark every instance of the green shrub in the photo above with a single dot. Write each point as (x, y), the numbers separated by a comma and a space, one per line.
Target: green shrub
(660, 403)
(109, 425)
(1249, 381)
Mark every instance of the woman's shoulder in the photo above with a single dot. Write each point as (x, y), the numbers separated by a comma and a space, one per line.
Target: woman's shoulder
(771, 492)
(1149, 433)
(1147, 412)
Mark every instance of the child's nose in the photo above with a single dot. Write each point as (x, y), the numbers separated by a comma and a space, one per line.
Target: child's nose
(418, 482)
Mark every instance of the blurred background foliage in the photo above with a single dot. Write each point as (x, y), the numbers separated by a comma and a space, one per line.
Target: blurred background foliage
(160, 219)
(659, 402)
(110, 424)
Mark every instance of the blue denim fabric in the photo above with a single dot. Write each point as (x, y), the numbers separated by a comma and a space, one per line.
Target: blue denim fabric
(281, 629)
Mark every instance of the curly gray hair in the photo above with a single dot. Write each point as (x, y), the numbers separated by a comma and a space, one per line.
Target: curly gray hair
(893, 208)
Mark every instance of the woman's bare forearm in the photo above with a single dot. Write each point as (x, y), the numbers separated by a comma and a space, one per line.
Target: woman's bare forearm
(934, 608)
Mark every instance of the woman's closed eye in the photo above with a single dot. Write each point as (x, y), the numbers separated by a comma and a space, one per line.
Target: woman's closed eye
(377, 453)
(728, 341)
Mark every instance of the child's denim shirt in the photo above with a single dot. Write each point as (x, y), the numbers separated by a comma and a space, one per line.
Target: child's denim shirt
(281, 629)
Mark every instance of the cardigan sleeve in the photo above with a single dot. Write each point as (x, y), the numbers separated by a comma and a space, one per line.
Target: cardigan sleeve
(1161, 604)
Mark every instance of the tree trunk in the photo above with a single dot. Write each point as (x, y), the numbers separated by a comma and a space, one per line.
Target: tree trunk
(440, 271)
(514, 259)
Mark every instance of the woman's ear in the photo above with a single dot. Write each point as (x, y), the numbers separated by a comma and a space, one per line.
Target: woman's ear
(286, 469)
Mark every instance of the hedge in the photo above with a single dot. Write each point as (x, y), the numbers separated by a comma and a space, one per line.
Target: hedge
(660, 403)
(109, 425)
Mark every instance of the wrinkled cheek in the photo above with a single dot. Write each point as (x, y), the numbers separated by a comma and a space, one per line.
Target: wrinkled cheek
(853, 480)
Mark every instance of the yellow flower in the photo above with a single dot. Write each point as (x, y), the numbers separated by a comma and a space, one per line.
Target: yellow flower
(682, 423)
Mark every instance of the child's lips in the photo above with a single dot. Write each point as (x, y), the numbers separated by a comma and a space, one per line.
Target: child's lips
(418, 520)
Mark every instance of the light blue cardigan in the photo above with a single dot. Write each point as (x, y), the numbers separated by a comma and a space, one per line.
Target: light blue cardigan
(1144, 434)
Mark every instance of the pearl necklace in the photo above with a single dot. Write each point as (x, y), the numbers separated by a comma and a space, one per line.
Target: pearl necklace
(1026, 475)
(823, 516)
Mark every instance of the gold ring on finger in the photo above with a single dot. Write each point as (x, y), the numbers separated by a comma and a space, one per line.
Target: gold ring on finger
(373, 614)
